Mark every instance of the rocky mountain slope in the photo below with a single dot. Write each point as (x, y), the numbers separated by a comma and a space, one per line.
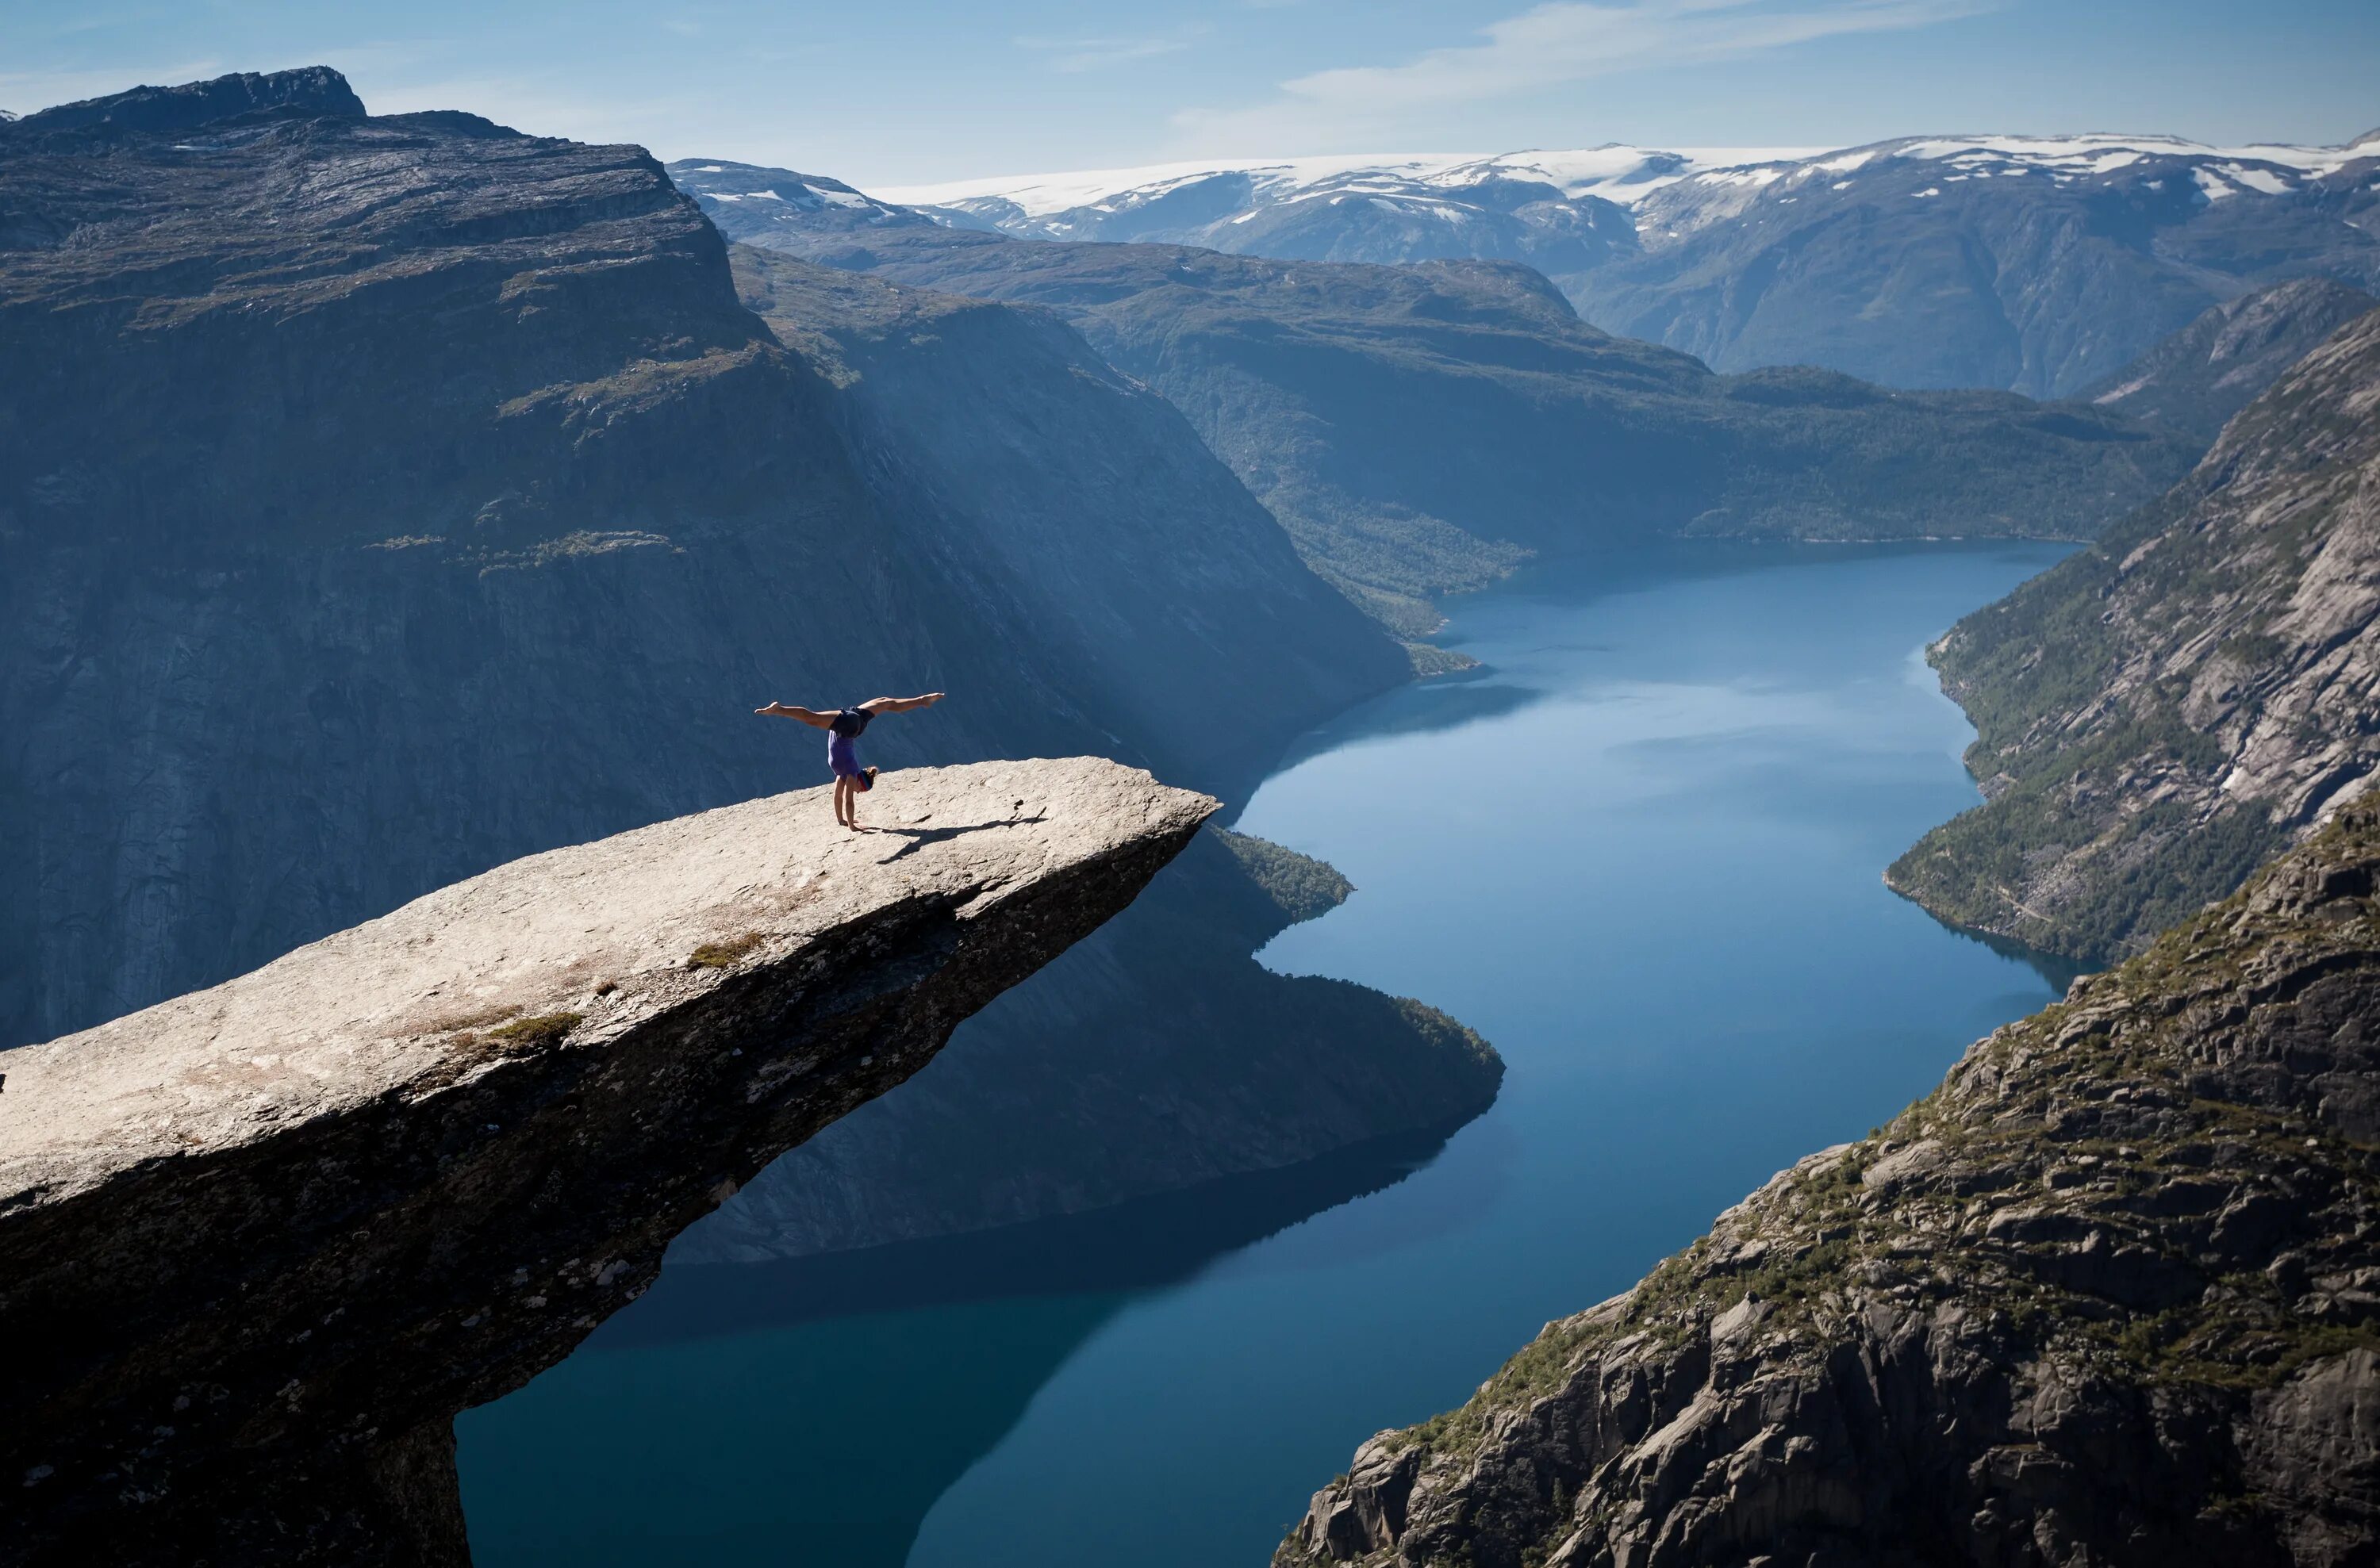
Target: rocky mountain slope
(390, 496)
(270, 1238)
(2164, 710)
(1410, 425)
(2103, 1297)
(2196, 380)
(2035, 263)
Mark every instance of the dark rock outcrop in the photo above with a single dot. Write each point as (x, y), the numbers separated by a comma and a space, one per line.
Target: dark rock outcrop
(260, 1243)
(313, 93)
(2161, 712)
(2107, 1297)
(1412, 425)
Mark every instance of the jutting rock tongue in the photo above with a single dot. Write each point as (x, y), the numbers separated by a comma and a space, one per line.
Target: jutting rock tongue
(269, 1238)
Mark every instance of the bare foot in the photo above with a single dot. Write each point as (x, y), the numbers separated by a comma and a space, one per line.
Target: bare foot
(773, 707)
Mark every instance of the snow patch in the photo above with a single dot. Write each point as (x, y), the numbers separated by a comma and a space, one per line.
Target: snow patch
(2263, 180)
(1619, 173)
(1752, 178)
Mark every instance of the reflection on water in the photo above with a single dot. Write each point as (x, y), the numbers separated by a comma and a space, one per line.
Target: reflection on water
(810, 1410)
(1641, 853)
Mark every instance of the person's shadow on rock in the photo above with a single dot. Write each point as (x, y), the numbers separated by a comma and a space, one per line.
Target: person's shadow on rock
(920, 837)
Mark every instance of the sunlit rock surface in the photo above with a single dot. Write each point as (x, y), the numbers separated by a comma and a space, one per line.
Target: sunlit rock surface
(261, 1242)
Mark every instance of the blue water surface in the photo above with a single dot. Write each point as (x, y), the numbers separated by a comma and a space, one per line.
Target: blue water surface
(1639, 851)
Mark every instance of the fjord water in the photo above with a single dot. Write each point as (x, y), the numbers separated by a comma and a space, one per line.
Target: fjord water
(1639, 851)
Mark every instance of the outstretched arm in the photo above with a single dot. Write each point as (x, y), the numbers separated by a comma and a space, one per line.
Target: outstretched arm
(809, 716)
(899, 704)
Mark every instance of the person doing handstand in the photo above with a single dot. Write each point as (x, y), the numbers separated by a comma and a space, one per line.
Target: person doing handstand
(843, 727)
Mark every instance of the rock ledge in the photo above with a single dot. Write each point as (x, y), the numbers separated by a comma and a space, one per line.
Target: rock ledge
(270, 1236)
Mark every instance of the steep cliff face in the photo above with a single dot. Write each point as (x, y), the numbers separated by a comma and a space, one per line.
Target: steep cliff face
(1091, 503)
(270, 1236)
(384, 498)
(2164, 710)
(2195, 381)
(1411, 425)
(2106, 1297)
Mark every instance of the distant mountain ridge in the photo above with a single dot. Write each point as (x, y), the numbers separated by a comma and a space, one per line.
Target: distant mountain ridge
(1411, 424)
(1614, 171)
(2040, 264)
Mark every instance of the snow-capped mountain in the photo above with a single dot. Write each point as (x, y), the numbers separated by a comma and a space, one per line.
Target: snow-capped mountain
(1560, 212)
(746, 200)
(1054, 206)
(1227, 197)
(2036, 264)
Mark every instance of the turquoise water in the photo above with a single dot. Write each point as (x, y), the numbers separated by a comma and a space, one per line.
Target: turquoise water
(1639, 851)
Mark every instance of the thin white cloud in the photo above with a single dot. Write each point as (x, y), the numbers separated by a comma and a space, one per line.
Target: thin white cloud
(1550, 46)
(1100, 54)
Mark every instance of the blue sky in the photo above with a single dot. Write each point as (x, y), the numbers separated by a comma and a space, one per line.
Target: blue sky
(884, 94)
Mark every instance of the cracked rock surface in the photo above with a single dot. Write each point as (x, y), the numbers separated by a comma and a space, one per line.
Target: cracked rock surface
(260, 1243)
(2110, 1295)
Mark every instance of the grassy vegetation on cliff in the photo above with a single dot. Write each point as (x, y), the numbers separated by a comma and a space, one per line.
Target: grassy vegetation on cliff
(1301, 885)
(2159, 713)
